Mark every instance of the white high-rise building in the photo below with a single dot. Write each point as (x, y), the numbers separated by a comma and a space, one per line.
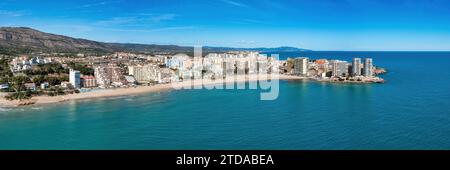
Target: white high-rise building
(339, 68)
(368, 67)
(74, 78)
(107, 75)
(301, 66)
(356, 67)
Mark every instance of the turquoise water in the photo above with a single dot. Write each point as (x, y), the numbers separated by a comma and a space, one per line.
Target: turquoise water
(410, 111)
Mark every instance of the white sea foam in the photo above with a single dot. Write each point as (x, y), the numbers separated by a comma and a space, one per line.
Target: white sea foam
(4, 110)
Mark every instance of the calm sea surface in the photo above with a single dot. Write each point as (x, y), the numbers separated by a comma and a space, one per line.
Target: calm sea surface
(410, 111)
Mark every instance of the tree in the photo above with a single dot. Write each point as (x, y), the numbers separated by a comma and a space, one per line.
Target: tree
(289, 64)
(4, 68)
(4, 80)
(18, 82)
(38, 79)
(53, 81)
(82, 68)
(48, 68)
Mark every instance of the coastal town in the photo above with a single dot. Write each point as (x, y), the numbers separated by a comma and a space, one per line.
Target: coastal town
(27, 76)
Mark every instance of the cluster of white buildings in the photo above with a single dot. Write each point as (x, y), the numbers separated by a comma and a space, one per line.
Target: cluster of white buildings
(145, 73)
(169, 68)
(302, 66)
(25, 63)
(165, 69)
(220, 65)
(145, 69)
(182, 67)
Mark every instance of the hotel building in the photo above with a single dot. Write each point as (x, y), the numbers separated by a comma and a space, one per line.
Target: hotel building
(145, 74)
(356, 67)
(301, 66)
(339, 68)
(368, 67)
(74, 78)
(109, 75)
(88, 81)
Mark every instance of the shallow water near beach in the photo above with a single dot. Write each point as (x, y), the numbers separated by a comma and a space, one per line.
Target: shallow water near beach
(410, 111)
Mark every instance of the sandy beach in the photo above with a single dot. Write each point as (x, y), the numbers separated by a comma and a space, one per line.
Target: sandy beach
(105, 93)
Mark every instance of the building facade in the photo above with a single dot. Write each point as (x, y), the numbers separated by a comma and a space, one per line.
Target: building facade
(301, 66)
(339, 68)
(74, 78)
(356, 67)
(88, 81)
(146, 73)
(368, 67)
(110, 74)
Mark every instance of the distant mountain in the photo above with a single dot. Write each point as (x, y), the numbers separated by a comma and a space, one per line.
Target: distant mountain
(19, 40)
(277, 49)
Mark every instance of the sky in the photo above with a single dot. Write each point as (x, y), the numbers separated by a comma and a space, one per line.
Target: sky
(347, 25)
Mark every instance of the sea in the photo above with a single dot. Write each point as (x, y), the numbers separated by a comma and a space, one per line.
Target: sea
(411, 110)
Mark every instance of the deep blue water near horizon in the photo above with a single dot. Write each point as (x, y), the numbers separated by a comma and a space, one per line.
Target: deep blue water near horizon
(410, 111)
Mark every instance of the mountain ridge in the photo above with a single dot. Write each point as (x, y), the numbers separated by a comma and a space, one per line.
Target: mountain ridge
(19, 40)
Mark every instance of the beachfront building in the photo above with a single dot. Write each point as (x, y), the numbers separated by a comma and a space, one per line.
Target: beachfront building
(273, 65)
(356, 67)
(74, 78)
(301, 66)
(88, 82)
(146, 73)
(30, 86)
(101, 76)
(339, 68)
(262, 64)
(108, 75)
(321, 65)
(45, 85)
(368, 67)
(219, 65)
(212, 64)
(166, 75)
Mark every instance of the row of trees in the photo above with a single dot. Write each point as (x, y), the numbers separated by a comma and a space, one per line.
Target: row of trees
(82, 68)
(19, 91)
(48, 68)
(52, 80)
(22, 95)
(17, 85)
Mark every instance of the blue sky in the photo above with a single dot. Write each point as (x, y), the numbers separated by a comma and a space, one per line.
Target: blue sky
(319, 25)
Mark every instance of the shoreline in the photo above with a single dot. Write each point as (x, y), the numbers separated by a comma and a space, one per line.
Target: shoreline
(138, 90)
(106, 93)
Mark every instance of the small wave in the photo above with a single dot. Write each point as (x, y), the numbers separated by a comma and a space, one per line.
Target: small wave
(4, 110)
(9, 110)
(118, 97)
